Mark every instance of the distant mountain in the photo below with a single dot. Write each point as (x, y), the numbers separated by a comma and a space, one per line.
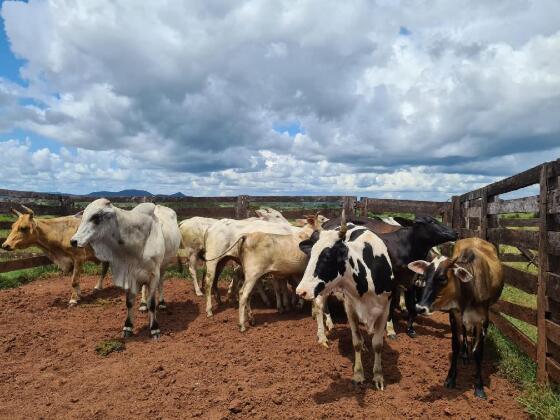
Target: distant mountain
(123, 193)
(130, 193)
(178, 194)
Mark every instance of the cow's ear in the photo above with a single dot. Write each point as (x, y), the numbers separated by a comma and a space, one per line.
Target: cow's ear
(79, 214)
(419, 266)
(462, 274)
(466, 257)
(306, 246)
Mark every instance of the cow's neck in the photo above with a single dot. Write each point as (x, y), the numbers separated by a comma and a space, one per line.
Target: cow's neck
(43, 241)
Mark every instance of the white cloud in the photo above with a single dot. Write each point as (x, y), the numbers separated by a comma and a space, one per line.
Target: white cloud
(185, 95)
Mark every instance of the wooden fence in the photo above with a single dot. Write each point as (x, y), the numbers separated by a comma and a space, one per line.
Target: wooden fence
(477, 213)
(481, 213)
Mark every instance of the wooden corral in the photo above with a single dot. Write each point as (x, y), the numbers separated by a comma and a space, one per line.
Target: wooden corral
(476, 213)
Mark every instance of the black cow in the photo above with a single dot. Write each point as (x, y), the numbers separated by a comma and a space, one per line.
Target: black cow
(405, 244)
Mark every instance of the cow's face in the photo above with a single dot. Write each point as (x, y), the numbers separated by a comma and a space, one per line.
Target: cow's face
(430, 230)
(442, 283)
(23, 233)
(270, 215)
(97, 219)
(328, 256)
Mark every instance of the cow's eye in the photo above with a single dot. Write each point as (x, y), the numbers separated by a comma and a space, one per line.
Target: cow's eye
(95, 219)
(24, 229)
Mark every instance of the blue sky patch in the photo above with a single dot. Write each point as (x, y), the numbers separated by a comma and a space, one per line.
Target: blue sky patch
(290, 127)
(404, 31)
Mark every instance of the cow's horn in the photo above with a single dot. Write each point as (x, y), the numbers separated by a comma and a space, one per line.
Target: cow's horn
(27, 209)
(17, 213)
(343, 226)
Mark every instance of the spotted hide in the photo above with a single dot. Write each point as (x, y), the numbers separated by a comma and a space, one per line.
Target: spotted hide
(353, 261)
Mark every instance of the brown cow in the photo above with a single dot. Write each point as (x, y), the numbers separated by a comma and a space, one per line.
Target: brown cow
(464, 285)
(53, 237)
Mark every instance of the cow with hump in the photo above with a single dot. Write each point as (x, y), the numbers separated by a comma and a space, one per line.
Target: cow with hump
(464, 285)
(138, 243)
(359, 266)
(53, 237)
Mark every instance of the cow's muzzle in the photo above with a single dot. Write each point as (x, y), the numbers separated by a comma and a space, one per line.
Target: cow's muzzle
(74, 243)
(6, 247)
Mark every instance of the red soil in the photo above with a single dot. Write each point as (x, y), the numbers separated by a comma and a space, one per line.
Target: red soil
(206, 368)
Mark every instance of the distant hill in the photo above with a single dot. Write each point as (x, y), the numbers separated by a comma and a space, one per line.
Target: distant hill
(129, 193)
(123, 193)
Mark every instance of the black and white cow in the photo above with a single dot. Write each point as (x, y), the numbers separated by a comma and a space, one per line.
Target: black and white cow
(360, 267)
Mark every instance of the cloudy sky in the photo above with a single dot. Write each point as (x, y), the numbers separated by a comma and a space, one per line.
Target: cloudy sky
(408, 99)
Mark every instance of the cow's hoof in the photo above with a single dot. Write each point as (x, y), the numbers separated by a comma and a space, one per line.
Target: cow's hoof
(329, 324)
(209, 314)
(252, 322)
(392, 336)
(358, 379)
(156, 334)
(242, 328)
(72, 303)
(143, 307)
(127, 332)
(411, 333)
(449, 383)
(162, 306)
(199, 293)
(98, 288)
(479, 392)
(379, 382)
(324, 343)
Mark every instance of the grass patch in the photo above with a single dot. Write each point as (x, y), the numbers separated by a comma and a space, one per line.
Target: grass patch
(540, 402)
(106, 347)
(20, 277)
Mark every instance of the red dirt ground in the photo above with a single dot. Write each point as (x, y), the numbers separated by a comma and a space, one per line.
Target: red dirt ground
(206, 368)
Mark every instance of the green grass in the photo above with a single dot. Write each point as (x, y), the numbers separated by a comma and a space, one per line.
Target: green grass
(19, 277)
(541, 402)
(106, 347)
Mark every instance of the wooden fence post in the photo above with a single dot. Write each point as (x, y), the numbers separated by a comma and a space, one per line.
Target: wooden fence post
(242, 207)
(349, 205)
(456, 213)
(484, 214)
(542, 304)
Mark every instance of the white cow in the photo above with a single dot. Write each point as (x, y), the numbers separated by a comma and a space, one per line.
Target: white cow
(193, 233)
(222, 244)
(138, 244)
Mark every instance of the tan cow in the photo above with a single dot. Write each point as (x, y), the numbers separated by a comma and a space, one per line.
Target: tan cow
(53, 237)
(464, 285)
(263, 253)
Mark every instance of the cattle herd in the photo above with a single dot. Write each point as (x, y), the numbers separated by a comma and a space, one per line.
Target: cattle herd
(364, 262)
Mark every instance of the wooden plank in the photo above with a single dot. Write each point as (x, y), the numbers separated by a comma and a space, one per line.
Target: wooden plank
(522, 313)
(553, 202)
(520, 279)
(6, 225)
(513, 258)
(553, 286)
(518, 222)
(553, 243)
(456, 213)
(297, 199)
(514, 334)
(20, 264)
(512, 183)
(552, 331)
(553, 369)
(467, 233)
(520, 238)
(242, 207)
(214, 212)
(518, 205)
(473, 212)
(433, 208)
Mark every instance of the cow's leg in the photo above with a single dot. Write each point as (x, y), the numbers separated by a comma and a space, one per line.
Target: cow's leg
(357, 342)
(76, 292)
(152, 307)
(251, 279)
(465, 348)
(129, 322)
(455, 347)
(209, 279)
(478, 353)
(194, 275)
(318, 310)
(143, 305)
(278, 295)
(259, 288)
(377, 345)
(104, 269)
(391, 334)
(161, 299)
(410, 300)
(286, 302)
